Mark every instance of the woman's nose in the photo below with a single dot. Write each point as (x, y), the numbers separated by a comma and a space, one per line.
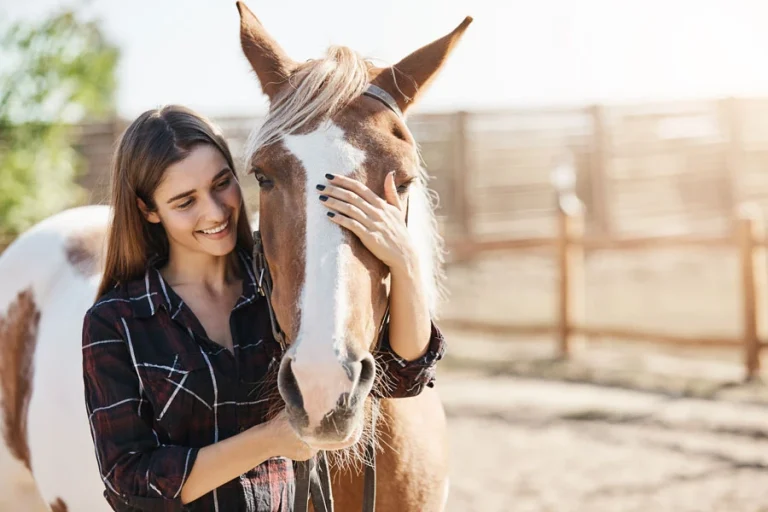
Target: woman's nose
(216, 210)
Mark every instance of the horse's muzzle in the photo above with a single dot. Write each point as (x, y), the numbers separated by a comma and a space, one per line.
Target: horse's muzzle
(325, 401)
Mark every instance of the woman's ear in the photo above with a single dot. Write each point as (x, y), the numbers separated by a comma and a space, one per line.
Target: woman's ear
(148, 214)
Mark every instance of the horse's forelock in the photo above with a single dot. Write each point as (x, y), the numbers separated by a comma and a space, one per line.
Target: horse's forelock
(316, 91)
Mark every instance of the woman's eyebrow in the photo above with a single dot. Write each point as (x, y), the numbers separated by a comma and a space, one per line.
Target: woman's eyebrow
(221, 173)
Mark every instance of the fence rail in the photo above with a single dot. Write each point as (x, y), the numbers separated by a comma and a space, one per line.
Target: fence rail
(678, 166)
(748, 237)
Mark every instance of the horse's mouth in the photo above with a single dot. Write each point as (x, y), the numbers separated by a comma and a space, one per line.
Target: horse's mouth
(338, 430)
(331, 445)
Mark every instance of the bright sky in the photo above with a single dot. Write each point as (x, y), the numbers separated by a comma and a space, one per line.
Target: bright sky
(516, 53)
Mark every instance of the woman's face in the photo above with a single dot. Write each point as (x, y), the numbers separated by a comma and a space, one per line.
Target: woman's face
(198, 203)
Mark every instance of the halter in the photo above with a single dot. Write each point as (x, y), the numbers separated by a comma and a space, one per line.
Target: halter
(383, 96)
(313, 477)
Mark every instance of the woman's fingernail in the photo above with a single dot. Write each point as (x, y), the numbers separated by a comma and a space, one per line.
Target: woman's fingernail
(323, 198)
(330, 176)
(331, 214)
(320, 187)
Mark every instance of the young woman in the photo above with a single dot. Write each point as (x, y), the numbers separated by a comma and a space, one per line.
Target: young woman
(174, 289)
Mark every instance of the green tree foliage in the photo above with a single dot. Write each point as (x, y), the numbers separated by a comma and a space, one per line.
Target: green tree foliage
(52, 73)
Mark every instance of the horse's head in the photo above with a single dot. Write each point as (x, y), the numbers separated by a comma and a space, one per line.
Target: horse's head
(329, 292)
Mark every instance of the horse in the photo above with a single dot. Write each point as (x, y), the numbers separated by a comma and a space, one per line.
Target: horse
(338, 114)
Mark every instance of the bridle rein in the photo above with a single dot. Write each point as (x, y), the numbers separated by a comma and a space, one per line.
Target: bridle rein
(313, 479)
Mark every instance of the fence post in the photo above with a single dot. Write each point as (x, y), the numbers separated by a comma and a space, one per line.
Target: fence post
(600, 197)
(731, 122)
(754, 283)
(462, 178)
(570, 262)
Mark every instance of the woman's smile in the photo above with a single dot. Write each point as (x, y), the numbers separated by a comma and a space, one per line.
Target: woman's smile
(218, 232)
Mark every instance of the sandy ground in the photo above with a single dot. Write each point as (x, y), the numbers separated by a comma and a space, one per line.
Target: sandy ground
(533, 445)
(620, 426)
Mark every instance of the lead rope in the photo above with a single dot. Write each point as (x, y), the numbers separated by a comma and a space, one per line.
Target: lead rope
(369, 484)
(320, 485)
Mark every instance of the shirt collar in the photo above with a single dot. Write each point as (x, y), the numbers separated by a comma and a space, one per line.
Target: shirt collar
(250, 286)
(149, 295)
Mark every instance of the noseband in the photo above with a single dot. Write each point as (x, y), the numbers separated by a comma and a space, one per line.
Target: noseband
(313, 477)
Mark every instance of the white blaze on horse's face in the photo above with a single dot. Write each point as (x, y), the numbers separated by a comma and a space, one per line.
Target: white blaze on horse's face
(324, 370)
(330, 303)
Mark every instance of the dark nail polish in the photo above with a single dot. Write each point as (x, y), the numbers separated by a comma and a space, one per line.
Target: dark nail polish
(320, 187)
(323, 198)
(330, 176)
(331, 214)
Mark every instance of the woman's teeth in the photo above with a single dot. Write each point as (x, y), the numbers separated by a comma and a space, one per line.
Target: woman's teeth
(217, 229)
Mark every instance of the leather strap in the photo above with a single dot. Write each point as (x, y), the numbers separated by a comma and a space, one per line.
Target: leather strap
(369, 484)
(265, 286)
(383, 96)
(301, 499)
(320, 485)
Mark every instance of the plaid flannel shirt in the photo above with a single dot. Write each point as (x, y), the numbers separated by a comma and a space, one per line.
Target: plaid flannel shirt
(157, 390)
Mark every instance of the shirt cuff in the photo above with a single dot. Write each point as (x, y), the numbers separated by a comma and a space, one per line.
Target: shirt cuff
(404, 378)
(167, 474)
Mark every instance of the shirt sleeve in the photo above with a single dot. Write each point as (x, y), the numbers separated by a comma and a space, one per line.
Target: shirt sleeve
(136, 469)
(399, 378)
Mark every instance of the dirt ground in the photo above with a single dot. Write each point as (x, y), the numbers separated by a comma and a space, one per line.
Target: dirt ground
(619, 426)
(521, 444)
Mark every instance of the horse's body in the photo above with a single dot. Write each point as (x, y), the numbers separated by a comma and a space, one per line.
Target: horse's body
(48, 270)
(50, 276)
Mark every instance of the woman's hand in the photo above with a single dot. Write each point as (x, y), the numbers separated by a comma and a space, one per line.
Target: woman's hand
(287, 442)
(378, 223)
(380, 226)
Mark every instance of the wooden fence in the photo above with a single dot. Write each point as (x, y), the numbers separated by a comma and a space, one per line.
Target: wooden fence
(680, 167)
(570, 245)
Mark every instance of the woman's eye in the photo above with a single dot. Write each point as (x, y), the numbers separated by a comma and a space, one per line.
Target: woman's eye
(186, 204)
(223, 184)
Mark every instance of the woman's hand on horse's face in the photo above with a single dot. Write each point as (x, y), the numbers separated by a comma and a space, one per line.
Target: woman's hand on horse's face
(378, 223)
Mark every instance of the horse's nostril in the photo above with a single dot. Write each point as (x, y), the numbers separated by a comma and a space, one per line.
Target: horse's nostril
(289, 388)
(361, 374)
(368, 369)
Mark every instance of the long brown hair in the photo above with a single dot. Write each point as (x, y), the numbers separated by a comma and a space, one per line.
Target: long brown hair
(157, 139)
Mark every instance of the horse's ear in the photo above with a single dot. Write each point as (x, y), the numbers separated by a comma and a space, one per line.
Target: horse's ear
(410, 77)
(271, 64)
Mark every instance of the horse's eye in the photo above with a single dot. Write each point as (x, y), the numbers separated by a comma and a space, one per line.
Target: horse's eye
(403, 188)
(264, 182)
(397, 132)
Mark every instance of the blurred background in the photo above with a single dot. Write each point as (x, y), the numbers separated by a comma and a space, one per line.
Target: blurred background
(603, 174)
